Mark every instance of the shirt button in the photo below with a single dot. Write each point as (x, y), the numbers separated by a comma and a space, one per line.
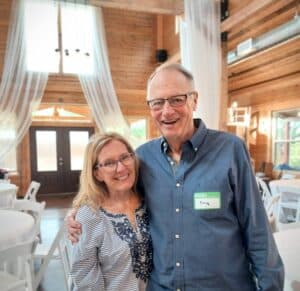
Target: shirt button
(177, 184)
(177, 209)
(177, 264)
(177, 236)
(195, 149)
(178, 289)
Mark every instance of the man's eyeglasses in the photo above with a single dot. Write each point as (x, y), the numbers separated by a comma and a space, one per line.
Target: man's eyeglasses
(174, 101)
(111, 165)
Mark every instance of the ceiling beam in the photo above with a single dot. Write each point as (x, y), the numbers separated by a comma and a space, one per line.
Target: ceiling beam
(244, 14)
(174, 7)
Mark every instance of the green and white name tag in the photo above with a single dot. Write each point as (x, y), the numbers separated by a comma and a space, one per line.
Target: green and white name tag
(207, 200)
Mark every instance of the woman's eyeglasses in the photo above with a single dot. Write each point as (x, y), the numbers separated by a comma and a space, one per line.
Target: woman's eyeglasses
(111, 165)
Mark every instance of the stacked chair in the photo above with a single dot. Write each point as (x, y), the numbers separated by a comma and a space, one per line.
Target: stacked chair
(22, 279)
(270, 202)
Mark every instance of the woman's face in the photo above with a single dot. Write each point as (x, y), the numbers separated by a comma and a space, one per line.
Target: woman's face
(116, 167)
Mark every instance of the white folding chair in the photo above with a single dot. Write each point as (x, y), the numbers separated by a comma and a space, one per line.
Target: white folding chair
(270, 202)
(32, 191)
(35, 209)
(266, 195)
(289, 207)
(58, 250)
(20, 254)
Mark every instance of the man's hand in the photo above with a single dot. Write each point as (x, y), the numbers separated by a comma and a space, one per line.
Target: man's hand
(74, 227)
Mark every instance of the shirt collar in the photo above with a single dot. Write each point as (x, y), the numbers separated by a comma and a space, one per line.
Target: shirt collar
(196, 140)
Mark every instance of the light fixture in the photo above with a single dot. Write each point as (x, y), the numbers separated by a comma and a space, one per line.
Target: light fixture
(238, 116)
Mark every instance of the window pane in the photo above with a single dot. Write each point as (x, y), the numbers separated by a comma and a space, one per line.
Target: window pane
(295, 155)
(46, 150)
(286, 140)
(78, 142)
(295, 130)
(41, 36)
(138, 129)
(281, 153)
(280, 129)
(77, 38)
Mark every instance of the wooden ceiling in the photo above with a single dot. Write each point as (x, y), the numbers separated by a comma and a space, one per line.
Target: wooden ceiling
(270, 74)
(133, 38)
(249, 19)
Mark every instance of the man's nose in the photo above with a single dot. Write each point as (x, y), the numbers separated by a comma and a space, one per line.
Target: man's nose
(167, 107)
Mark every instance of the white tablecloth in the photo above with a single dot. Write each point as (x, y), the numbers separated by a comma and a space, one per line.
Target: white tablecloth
(7, 195)
(15, 227)
(288, 243)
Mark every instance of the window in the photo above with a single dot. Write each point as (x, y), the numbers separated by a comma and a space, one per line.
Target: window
(58, 37)
(286, 140)
(138, 128)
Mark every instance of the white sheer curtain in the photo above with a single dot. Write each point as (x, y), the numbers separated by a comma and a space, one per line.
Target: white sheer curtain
(97, 85)
(96, 81)
(31, 54)
(21, 90)
(201, 53)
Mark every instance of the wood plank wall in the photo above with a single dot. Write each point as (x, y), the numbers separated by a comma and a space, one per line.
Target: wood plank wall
(131, 42)
(4, 20)
(268, 80)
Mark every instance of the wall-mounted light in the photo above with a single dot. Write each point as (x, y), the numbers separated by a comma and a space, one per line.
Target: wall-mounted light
(238, 116)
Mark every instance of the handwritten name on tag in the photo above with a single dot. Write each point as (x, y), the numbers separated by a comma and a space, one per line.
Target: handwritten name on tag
(207, 200)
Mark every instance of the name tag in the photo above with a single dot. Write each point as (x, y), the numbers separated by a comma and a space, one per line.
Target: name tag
(207, 200)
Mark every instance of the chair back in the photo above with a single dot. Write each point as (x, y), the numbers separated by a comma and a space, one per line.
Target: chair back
(21, 255)
(289, 207)
(34, 208)
(266, 195)
(59, 249)
(32, 191)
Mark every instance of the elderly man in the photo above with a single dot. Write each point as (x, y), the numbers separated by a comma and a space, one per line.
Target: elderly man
(207, 221)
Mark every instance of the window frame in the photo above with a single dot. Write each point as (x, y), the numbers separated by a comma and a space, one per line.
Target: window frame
(294, 117)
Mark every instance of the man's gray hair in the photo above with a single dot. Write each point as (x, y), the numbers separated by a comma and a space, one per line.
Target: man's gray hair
(172, 67)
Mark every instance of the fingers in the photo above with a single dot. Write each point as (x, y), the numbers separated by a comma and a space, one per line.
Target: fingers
(73, 227)
(72, 224)
(73, 239)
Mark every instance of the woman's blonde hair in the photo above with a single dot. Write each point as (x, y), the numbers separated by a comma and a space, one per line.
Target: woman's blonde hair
(91, 191)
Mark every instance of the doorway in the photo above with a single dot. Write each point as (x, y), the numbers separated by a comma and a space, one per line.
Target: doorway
(57, 157)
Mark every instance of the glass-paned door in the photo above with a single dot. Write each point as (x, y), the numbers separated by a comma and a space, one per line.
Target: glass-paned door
(57, 157)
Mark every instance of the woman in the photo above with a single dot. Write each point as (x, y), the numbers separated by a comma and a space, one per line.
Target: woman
(114, 251)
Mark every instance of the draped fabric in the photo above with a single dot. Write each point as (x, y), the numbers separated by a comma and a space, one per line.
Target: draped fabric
(20, 90)
(200, 46)
(23, 80)
(98, 86)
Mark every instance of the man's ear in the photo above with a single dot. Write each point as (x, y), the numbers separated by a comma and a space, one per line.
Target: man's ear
(195, 98)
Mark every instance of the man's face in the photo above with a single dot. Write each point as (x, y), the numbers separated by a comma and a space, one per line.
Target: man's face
(174, 123)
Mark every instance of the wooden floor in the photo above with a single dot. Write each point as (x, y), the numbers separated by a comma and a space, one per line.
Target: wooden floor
(52, 218)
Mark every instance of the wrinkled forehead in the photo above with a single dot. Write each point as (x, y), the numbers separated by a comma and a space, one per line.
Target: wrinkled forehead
(168, 82)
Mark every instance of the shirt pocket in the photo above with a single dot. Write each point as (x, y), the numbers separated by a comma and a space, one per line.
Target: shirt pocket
(212, 214)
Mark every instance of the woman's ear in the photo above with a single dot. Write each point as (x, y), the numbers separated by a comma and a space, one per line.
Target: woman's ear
(98, 175)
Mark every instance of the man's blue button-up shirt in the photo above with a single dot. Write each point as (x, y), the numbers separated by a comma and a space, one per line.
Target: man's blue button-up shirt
(221, 242)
